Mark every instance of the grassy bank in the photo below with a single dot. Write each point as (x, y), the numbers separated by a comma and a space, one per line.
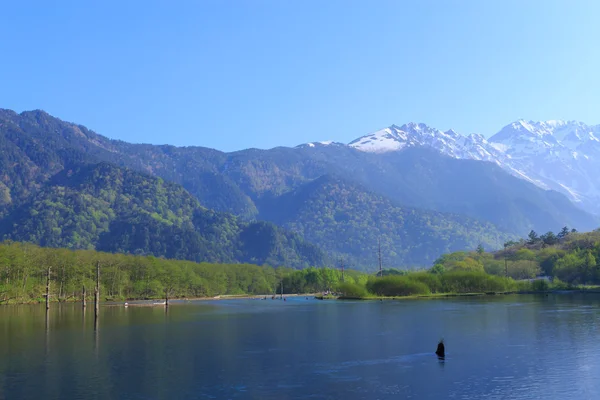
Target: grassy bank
(449, 284)
(24, 271)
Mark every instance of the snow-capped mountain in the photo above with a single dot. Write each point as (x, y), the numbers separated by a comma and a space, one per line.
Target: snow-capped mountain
(451, 143)
(320, 144)
(559, 155)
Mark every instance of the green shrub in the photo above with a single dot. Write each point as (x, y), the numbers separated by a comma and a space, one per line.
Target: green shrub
(474, 282)
(432, 281)
(557, 284)
(352, 290)
(437, 269)
(523, 286)
(397, 286)
(540, 285)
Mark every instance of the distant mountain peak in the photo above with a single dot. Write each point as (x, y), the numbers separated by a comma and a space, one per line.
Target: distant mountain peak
(324, 143)
(549, 153)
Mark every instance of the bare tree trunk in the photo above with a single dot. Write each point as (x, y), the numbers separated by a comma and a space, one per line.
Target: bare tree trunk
(97, 291)
(48, 289)
(83, 297)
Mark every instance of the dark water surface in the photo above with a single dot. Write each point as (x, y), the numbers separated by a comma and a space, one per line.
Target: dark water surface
(509, 347)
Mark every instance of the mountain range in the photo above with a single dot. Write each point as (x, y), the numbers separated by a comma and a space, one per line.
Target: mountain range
(416, 190)
(556, 155)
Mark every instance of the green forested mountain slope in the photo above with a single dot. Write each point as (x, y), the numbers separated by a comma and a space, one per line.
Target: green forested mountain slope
(109, 208)
(349, 221)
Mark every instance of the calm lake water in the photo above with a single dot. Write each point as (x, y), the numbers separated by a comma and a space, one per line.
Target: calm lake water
(509, 347)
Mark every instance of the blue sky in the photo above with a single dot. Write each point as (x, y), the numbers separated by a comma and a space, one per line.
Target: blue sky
(238, 74)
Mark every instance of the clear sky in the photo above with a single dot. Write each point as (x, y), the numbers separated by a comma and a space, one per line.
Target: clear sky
(257, 73)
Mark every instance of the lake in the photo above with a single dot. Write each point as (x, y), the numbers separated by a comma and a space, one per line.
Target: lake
(498, 347)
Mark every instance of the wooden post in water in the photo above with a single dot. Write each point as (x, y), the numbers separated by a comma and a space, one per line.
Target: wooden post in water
(83, 297)
(166, 297)
(48, 289)
(97, 291)
(505, 263)
(379, 256)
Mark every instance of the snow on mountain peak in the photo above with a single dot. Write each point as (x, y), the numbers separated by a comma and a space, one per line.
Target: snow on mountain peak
(555, 154)
(320, 144)
(412, 134)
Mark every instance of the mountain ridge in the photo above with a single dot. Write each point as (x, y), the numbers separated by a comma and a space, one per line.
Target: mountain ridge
(556, 154)
(246, 182)
(109, 208)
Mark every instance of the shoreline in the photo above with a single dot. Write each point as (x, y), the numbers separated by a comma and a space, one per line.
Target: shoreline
(452, 295)
(160, 301)
(174, 300)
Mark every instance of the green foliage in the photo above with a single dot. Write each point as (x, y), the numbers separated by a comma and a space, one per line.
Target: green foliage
(386, 197)
(113, 209)
(549, 238)
(480, 250)
(572, 258)
(492, 265)
(437, 269)
(423, 283)
(540, 285)
(349, 221)
(547, 258)
(23, 276)
(392, 271)
(313, 280)
(352, 290)
(533, 237)
(474, 282)
(432, 281)
(563, 233)
(557, 284)
(460, 261)
(396, 286)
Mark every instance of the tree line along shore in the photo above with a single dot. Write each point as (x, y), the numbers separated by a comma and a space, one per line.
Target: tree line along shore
(566, 261)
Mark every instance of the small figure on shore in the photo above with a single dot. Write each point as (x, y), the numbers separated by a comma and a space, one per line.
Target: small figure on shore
(441, 350)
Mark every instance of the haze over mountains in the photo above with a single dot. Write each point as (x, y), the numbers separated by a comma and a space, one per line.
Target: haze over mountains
(420, 191)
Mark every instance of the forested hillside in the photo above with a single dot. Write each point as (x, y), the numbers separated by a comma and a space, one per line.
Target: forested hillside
(108, 208)
(567, 255)
(351, 222)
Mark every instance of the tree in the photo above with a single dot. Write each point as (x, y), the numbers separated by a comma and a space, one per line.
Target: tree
(523, 254)
(468, 264)
(493, 267)
(563, 233)
(549, 238)
(437, 269)
(533, 237)
(523, 269)
(589, 266)
(547, 258)
(480, 249)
